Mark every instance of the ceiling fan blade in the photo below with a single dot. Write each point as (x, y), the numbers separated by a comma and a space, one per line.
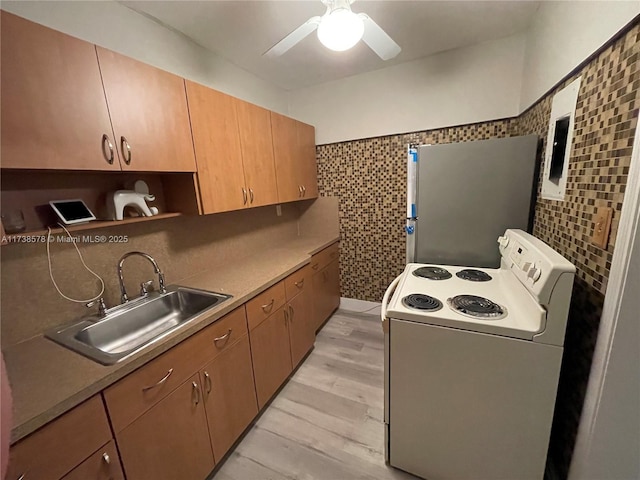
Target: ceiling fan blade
(378, 40)
(293, 38)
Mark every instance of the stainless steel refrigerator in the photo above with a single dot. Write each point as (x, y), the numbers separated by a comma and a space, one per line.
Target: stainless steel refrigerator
(462, 196)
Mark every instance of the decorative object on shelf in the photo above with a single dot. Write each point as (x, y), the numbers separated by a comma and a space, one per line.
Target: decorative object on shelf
(13, 221)
(137, 198)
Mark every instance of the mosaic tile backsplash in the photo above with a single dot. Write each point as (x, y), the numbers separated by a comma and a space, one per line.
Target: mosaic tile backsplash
(369, 178)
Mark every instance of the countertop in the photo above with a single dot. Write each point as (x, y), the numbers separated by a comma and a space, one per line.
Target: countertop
(47, 380)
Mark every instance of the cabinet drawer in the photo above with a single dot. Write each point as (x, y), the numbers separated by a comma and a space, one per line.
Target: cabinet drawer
(260, 307)
(102, 465)
(61, 445)
(297, 282)
(324, 257)
(136, 393)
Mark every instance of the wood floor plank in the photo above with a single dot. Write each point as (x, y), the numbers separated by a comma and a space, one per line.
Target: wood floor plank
(327, 422)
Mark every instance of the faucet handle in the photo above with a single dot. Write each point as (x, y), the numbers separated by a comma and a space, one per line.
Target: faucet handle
(144, 286)
(102, 307)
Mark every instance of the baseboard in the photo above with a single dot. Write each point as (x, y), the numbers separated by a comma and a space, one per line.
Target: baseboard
(360, 306)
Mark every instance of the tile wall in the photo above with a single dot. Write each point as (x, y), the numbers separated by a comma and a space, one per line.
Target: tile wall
(606, 120)
(369, 178)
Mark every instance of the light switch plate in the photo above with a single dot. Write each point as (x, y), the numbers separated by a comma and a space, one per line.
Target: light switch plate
(602, 227)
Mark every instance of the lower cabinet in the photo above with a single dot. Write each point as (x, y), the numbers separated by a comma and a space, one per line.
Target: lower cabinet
(326, 290)
(171, 440)
(102, 465)
(302, 333)
(65, 444)
(229, 396)
(271, 355)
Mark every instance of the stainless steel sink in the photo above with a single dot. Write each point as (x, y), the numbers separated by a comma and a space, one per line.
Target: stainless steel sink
(128, 328)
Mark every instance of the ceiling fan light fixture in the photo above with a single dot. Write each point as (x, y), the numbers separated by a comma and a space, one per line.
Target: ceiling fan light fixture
(340, 30)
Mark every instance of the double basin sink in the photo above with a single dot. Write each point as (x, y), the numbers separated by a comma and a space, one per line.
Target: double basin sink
(132, 326)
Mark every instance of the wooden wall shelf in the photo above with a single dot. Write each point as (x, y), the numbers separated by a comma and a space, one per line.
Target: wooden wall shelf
(17, 238)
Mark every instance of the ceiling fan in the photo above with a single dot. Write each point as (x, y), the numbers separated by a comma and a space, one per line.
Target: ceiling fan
(340, 29)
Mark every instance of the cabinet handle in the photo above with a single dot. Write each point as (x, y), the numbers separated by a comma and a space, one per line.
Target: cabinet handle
(244, 196)
(315, 266)
(223, 337)
(21, 477)
(291, 312)
(299, 190)
(299, 284)
(124, 145)
(207, 381)
(160, 382)
(304, 191)
(286, 315)
(196, 391)
(251, 194)
(107, 142)
(106, 459)
(267, 308)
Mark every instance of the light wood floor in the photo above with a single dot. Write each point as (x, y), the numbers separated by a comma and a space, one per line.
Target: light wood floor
(327, 422)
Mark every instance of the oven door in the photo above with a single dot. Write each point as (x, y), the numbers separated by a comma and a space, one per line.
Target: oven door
(385, 328)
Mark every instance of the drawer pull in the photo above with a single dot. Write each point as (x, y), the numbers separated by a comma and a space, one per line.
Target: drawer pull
(207, 382)
(315, 266)
(299, 284)
(106, 459)
(160, 382)
(196, 393)
(269, 306)
(222, 338)
(124, 146)
(21, 477)
(108, 157)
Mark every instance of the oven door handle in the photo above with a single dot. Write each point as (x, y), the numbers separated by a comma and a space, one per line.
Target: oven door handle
(385, 299)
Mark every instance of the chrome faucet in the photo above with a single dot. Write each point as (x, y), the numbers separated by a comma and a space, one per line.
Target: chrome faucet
(123, 293)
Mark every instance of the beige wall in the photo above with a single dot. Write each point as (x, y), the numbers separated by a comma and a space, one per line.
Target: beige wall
(563, 35)
(465, 85)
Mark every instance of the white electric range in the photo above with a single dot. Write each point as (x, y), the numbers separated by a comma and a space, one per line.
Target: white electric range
(472, 360)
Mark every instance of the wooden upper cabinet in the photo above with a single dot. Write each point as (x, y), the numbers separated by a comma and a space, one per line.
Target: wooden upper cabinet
(285, 141)
(295, 158)
(54, 114)
(149, 114)
(254, 124)
(214, 123)
(308, 167)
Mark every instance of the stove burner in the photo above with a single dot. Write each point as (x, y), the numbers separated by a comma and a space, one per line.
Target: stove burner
(477, 307)
(473, 275)
(432, 273)
(422, 302)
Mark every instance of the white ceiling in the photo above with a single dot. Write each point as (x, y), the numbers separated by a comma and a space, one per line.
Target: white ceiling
(241, 31)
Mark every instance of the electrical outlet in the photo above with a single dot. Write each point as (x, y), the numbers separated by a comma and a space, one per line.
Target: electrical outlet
(602, 227)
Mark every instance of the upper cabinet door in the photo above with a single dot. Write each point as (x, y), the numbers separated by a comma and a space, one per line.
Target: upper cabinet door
(54, 114)
(294, 147)
(149, 113)
(254, 124)
(214, 122)
(285, 150)
(308, 168)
